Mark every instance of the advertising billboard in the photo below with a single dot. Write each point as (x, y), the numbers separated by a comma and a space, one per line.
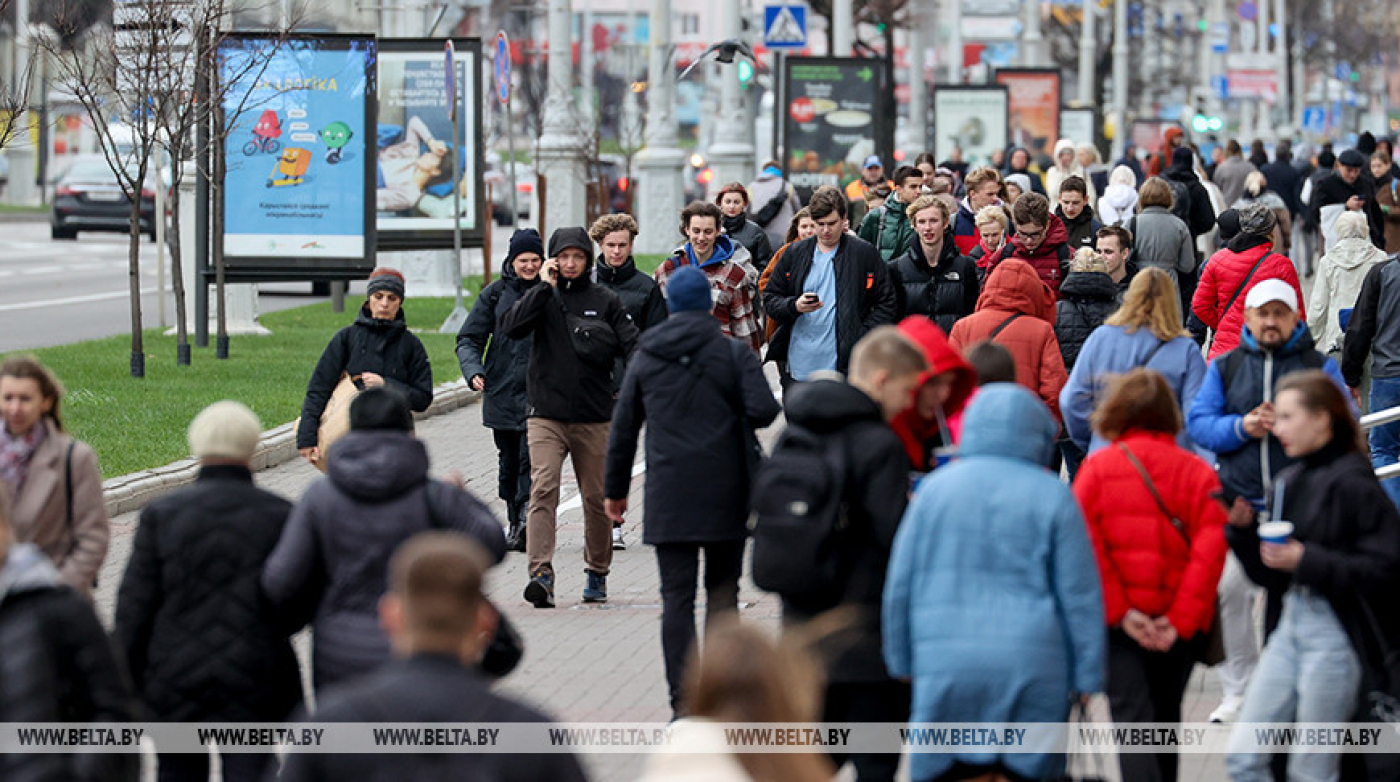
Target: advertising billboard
(414, 144)
(297, 158)
(970, 118)
(1034, 100)
(832, 119)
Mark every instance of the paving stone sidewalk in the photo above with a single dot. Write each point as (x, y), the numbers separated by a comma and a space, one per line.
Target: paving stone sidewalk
(587, 663)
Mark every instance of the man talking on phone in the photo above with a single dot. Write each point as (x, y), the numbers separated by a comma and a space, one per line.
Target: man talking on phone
(826, 292)
(578, 330)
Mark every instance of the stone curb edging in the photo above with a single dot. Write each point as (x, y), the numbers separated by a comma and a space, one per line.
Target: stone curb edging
(126, 493)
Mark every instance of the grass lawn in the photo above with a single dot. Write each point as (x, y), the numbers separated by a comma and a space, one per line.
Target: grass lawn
(138, 424)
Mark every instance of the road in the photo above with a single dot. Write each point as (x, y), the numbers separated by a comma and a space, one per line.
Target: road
(58, 292)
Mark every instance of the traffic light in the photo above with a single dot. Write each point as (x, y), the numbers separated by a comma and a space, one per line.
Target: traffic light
(745, 73)
(1203, 124)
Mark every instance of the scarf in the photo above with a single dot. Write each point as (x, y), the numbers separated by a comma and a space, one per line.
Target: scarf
(733, 225)
(15, 453)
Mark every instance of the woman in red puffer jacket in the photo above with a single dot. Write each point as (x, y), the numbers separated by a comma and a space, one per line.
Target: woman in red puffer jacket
(1227, 278)
(1159, 562)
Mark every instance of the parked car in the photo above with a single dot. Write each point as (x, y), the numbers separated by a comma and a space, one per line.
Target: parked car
(89, 197)
(496, 178)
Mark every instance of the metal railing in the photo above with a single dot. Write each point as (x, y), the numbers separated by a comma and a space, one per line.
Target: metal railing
(1370, 420)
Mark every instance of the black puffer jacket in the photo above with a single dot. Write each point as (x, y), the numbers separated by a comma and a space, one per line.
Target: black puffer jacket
(503, 364)
(862, 280)
(944, 293)
(56, 665)
(1086, 301)
(202, 641)
(690, 411)
(640, 294)
(384, 347)
(562, 383)
(878, 481)
(336, 547)
(754, 239)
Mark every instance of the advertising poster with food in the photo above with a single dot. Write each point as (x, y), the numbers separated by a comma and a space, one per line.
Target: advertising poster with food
(831, 120)
(1034, 95)
(298, 158)
(414, 145)
(972, 119)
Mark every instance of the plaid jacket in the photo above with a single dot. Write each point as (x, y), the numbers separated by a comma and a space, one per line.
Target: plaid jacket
(733, 295)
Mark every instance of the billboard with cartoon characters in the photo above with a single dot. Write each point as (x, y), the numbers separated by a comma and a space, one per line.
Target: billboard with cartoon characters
(415, 147)
(298, 154)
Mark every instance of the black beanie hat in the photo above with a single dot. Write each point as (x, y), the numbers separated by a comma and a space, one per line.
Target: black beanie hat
(385, 279)
(1229, 222)
(525, 240)
(380, 407)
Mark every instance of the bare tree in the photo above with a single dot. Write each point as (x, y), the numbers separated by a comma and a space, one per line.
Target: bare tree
(136, 80)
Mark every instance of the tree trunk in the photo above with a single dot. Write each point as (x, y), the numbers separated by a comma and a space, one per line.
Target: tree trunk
(177, 270)
(138, 348)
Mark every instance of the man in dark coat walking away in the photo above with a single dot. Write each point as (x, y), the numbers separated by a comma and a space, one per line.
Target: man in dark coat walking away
(202, 642)
(436, 616)
(335, 548)
(578, 330)
(698, 392)
(1283, 178)
(498, 372)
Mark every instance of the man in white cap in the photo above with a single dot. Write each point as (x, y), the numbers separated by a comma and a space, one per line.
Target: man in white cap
(1233, 416)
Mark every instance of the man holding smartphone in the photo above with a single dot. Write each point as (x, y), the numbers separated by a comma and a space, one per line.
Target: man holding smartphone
(578, 330)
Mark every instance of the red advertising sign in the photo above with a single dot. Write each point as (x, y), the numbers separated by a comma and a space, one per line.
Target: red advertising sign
(1034, 106)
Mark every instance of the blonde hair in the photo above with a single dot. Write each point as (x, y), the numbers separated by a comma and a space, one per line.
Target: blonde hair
(990, 214)
(978, 176)
(886, 348)
(1086, 260)
(924, 202)
(1155, 192)
(1152, 301)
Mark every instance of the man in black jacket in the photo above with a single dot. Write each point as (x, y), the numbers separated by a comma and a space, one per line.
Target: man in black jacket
(1284, 179)
(192, 577)
(698, 392)
(1374, 333)
(578, 330)
(826, 292)
(434, 614)
(1349, 188)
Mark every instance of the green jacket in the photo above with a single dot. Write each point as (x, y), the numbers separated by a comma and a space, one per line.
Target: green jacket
(888, 228)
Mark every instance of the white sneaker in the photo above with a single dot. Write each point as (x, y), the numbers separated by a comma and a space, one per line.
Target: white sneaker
(1226, 712)
(618, 543)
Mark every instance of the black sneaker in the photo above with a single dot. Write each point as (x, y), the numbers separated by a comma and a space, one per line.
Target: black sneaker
(596, 590)
(540, 591)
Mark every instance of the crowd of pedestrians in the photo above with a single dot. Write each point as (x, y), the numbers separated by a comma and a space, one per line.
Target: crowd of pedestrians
(1038, 446)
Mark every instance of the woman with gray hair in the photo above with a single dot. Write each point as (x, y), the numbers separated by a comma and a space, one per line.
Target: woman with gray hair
(1340, 274)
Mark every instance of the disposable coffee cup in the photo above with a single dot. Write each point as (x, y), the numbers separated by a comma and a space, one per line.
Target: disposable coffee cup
(1276, 531)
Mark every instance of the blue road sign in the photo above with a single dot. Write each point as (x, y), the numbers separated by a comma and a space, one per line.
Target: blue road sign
(1220, 85)
(785, 26)
(1314, 119)
(502, 68)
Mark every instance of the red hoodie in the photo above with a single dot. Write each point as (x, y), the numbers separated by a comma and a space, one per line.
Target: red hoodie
(1050, 260)
(916, 432)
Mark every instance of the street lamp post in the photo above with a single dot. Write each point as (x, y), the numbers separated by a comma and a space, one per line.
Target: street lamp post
(660, 162)
(1120, 76)
(560, 145)
(1088, 55)
(731, 156)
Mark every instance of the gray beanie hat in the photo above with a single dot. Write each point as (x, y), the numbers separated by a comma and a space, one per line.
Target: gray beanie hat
(1257, 220)
(225, 430)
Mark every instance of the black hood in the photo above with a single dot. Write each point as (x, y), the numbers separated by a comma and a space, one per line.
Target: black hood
(829, 405)
(681, 334)
(369, 321)
(615, 275)
(377, 465)
(1182, 165)
(1085, 217)
(1088, 285)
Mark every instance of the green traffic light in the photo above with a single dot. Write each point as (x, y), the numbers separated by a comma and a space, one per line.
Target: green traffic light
(1200, 124)
(745, 71)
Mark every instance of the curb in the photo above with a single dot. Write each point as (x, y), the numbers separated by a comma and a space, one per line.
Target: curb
(126, 493)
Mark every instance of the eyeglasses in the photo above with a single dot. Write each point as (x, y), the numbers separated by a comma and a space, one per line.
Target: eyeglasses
(1026, 233)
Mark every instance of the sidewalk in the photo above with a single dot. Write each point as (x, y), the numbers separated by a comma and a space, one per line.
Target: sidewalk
(593, 663)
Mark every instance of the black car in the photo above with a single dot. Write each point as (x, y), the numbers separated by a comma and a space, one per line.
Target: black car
(90, 198)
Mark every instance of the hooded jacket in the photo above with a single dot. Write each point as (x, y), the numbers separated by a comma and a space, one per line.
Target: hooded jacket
(921, 437)
(1224, 274)
(979, 577)
(752, 237)
(946, 292)
(865, 295)
(766, 189)
(201, 640)
(1050, 258)
(384, 347)
(334, 553)
(685, 382)
(1086, 301)
(1374, 331)
(1014, 289)
(1183, 170)
(1081, 231)
(1340, 275)
(734, 282)
(1145, 563)
(965, 234)
(1216, 416)
(878, 489)
(504, 403)
(1117, 204)
(1057, 175)
(57, 666)
(888, 228)
(577, 331)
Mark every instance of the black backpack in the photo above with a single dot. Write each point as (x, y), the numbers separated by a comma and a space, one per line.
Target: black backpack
(801, 514)
(1181, 201)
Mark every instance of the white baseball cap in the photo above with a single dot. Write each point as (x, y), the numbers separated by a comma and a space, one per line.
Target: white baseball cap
(1271, 290)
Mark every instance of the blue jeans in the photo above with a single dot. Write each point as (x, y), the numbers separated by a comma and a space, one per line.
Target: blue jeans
(1385, 440)
(1307, 673)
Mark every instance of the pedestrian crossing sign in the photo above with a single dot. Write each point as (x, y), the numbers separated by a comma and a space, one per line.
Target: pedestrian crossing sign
(785, 26)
